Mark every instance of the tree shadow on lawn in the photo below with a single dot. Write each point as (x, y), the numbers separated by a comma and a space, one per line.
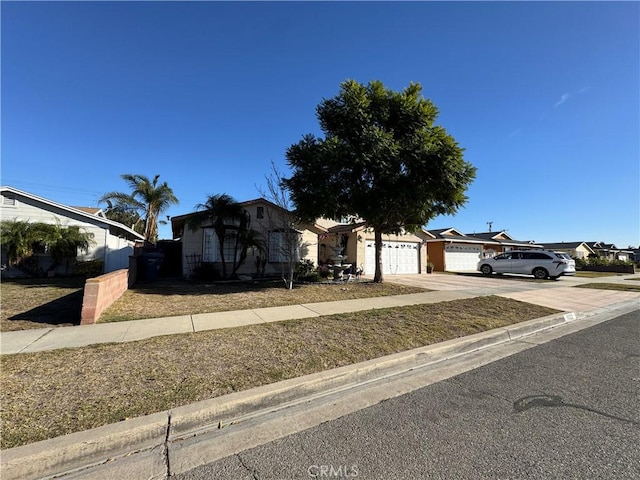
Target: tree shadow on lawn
(62, 311)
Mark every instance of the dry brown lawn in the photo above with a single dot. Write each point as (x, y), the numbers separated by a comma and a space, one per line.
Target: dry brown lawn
(170, 298)
(48, 394)
(39, 303)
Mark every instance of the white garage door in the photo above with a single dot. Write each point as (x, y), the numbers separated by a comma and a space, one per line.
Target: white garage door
(397, 257)
(459, 257)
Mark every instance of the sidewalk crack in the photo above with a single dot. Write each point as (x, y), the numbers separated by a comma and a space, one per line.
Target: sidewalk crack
(36, 340)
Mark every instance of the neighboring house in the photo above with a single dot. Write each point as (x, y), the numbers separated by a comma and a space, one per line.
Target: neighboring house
(404, 253)
(574, 249)
(201, 246)
(453, 251)
(610, 251)
(114, 242)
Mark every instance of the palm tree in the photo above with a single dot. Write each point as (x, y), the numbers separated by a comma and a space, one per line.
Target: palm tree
(230, 222)
(17, 238)
(148, 197)
(20, 239)
(64, 243)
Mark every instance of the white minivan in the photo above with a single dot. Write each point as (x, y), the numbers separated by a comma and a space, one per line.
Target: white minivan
(539, 263)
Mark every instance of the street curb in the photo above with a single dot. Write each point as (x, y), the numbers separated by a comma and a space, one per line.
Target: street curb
(77, 451)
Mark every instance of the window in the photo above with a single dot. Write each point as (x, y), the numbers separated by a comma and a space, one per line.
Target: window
(283, 245)
(211, 246)
(536, 256)
(260, 212)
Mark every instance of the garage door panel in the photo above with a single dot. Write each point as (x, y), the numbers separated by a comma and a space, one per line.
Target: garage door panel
(461, 257)
(397, 257)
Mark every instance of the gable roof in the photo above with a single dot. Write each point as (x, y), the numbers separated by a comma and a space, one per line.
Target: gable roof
(502, 235)
(567, 245)
(490, 238)
(93, 211)
(178, 221)
(91, 218)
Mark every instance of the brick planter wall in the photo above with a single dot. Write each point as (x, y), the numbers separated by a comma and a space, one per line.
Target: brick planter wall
(100, 292)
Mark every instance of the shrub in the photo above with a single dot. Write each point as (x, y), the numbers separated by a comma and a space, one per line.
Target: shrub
(207, 271)
(88, 268)
(304, 268)
(313, 277)
(324, 271)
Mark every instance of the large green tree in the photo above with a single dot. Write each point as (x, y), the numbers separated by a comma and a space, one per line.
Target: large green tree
(148, 197)
(382, 159)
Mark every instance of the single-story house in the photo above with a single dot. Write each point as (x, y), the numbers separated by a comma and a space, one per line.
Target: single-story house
(453, 251)
(574, 249)
(114, 242)
(273, 223)
(610, 251)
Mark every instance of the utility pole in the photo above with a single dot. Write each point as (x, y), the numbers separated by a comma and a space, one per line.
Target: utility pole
(490, 224)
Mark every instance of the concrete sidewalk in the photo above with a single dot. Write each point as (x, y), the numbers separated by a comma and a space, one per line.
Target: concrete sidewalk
(41, 339)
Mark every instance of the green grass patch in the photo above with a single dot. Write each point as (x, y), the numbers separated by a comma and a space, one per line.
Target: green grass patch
(611, 286)
(588, 274)
(53, 393)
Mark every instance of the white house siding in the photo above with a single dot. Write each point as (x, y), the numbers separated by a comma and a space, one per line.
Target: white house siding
(118, 252)
(105, 245)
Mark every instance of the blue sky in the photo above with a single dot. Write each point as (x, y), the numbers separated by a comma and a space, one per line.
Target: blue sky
(543, 96)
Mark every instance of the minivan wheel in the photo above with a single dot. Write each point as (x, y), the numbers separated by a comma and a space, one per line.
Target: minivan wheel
(485, 269)
(540, 273)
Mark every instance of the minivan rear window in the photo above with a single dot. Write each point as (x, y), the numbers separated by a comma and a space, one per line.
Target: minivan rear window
(536, 256)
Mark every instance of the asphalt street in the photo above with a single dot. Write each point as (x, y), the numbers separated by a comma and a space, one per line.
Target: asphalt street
(566, 409)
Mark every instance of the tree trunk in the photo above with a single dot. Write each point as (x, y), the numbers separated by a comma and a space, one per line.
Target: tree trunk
(377, 278)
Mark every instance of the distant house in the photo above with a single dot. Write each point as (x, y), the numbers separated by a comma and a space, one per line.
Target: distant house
(404, 253)
(610, 251)
(114, 242)
(453, 251)
(574, 249)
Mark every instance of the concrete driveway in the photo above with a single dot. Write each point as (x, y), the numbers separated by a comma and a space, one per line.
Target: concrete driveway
(560, 294)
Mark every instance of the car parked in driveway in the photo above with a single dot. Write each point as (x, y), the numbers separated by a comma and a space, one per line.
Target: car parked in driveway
(539, 263)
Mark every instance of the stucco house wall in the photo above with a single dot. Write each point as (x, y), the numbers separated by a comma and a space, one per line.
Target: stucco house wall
(265, 218)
